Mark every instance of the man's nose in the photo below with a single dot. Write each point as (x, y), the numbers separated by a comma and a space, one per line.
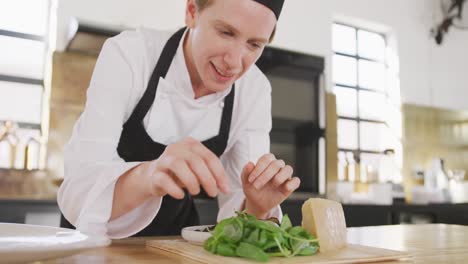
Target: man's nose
(233, 58)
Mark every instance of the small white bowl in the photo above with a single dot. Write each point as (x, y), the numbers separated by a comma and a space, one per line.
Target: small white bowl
(195, 235)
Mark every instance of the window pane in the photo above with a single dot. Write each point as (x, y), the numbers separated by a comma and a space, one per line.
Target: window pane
(371, 159)
(346, 101)
(393, 117)
(393, 88)
(371, 45)
(399, 157)
(20, 102)
(372, 105)
(373, 136)
(392, 59)
(344, 70)
(391, 141)
(21, 57)
(347, 134)
(24, 16)
(344, 39)
(371, 75)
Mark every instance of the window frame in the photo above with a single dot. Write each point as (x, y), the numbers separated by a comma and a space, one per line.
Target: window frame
(43, 83)
(24, 80)
(358, 151)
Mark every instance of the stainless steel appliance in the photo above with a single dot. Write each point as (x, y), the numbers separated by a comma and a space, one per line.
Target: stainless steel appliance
(298, 110)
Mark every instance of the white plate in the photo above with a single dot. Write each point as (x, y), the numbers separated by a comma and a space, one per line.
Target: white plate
(195, 235)
(20, 243)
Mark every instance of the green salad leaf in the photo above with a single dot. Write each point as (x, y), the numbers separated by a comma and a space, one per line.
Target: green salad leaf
(247, 237)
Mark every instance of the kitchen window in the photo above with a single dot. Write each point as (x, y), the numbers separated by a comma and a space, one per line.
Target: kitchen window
(26, 45)
(366, 85)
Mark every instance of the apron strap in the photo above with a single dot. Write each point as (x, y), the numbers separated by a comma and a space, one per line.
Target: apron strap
(160, 70)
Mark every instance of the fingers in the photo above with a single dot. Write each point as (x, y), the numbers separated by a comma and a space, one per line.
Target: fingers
(248, 168)
(283, 175)
(164, 184)
(186, 177)
(191, 164)
(290, 186)
(261, 165)
(214, 165)
(204, 175)
(269, 173)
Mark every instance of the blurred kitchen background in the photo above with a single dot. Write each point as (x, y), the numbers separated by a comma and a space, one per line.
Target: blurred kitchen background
(369, 101)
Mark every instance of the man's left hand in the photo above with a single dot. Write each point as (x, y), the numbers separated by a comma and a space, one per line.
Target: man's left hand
(267, 184)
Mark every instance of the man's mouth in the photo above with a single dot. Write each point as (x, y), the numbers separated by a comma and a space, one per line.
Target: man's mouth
(221, 72)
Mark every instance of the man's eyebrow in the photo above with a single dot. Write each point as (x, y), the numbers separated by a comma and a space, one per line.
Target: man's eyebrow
(233, 29)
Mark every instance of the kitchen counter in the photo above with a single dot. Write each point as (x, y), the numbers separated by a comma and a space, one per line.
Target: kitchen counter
(358, 215)
(431, 243)
(28, 196)
(16, 210)
(27, 185)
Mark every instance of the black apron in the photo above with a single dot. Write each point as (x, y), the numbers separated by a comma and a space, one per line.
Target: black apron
(136, 145)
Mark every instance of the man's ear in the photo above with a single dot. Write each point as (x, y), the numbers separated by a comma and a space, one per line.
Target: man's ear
(190, 13)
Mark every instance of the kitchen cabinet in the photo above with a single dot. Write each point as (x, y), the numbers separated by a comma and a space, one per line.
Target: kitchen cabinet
(361, 214)
(46, 212)
(399, 213)
(40, 212)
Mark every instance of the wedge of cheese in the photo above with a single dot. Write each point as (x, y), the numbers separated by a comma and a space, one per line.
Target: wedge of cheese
(325, 220)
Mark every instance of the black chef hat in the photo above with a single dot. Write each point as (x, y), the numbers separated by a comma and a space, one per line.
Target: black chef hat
(274, 5)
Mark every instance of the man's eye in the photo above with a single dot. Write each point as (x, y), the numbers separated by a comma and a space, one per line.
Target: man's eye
(255, 45)
(226, 33)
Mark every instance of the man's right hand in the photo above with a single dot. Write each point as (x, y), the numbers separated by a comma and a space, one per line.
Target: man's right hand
(186, 164)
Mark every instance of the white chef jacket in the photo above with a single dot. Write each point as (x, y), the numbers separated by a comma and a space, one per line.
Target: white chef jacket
(121, 75)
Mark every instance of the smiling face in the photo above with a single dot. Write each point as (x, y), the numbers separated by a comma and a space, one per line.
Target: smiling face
(226, 37)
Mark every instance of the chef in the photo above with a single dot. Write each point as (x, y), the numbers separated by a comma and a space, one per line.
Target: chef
(170, 114)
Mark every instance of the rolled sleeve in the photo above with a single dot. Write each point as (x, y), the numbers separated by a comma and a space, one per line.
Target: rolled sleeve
(92, 164)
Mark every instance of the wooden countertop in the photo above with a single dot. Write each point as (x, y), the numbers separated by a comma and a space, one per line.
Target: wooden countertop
(432, 243)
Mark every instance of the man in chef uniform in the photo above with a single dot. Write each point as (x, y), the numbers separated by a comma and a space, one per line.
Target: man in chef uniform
(170, 114)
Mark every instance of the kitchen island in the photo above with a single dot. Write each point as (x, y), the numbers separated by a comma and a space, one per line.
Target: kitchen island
(430, 243)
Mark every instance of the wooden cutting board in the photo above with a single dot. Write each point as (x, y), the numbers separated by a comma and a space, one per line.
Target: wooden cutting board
(350, 254)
